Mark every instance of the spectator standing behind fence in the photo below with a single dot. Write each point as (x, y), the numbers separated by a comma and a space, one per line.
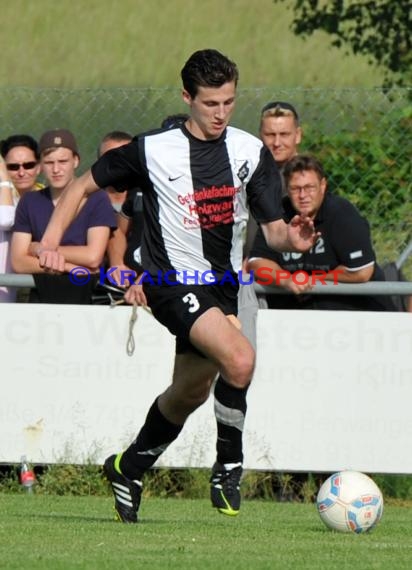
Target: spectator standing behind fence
(84, 241)
(114, 139)
(281, 133)
(195, 181)
(344, 245)
(20, 168)
(21, 155)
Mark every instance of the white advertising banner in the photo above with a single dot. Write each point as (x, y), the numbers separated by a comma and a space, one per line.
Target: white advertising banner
(332, 390)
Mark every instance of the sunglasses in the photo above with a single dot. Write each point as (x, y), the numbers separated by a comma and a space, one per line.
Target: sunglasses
(281, 107)
(14, 166)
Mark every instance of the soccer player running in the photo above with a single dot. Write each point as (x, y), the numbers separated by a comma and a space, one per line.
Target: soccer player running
(196, 180)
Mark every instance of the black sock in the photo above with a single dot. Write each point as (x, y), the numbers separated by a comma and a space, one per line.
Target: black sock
(155, 436)
(230, 412)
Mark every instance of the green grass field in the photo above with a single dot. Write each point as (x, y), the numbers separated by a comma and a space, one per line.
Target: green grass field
(134, 43)
(59, 533)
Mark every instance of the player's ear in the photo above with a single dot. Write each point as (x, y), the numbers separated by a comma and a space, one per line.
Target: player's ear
(186, 97)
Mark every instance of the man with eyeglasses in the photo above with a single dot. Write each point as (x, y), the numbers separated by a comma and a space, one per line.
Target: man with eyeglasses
(344, 250)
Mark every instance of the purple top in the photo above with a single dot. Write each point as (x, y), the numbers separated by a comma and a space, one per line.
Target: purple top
(35, 209)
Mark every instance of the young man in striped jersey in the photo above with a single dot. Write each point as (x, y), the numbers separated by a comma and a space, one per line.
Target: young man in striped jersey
(196, 180)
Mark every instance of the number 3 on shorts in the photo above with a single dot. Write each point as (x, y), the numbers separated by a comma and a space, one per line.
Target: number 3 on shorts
(191, 299)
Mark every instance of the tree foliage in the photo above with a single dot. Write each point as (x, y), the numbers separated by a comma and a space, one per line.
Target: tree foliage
(379, 29)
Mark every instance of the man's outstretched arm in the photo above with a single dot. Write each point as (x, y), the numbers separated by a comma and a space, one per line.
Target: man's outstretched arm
(298, 235)
(64, 213)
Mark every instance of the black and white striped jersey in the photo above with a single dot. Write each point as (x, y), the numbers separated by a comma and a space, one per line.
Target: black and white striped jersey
(196, 195)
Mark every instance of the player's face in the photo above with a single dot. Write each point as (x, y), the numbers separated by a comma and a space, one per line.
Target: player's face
(210, 110)
(306, 192)
(281, 136)
(58, 167)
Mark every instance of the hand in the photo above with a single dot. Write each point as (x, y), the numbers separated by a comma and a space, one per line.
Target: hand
(301, 233)
(51, 261)
(123, 276)
(296, 288)
(135, 295)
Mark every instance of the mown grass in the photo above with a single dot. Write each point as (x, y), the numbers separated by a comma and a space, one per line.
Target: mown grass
(104, 43)
(59, 533)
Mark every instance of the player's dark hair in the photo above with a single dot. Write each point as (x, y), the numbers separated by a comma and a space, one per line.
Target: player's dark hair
(19, 140)
(207, 68)
(302, 163)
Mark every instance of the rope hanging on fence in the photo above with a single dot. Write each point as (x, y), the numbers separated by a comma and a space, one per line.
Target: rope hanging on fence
(131, 345)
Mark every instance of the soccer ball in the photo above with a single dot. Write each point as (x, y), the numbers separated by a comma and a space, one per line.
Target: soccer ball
(349, 501)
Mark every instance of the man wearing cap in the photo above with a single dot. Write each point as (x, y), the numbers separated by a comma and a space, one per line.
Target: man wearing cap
(85, 240)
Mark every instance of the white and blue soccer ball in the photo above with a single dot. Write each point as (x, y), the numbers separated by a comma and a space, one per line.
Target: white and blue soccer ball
(350, 501)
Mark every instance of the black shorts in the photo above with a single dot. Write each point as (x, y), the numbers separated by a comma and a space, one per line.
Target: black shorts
(178, 306)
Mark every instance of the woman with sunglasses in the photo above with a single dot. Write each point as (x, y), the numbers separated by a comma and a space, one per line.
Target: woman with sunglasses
(21, 156)
(19, 168)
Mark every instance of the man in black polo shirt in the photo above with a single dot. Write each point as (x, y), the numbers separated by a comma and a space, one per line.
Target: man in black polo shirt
(344, 246)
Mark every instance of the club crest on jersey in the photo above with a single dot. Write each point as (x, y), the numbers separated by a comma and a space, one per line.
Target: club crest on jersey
(243, 171)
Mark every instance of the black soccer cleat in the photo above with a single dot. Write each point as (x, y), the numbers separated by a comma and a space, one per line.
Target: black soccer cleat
(224, 489)
(127, 493)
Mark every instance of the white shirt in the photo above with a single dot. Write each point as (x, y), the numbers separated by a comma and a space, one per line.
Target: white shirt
(7, 294)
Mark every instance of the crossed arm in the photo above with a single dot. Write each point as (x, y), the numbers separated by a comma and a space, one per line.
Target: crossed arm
(90, 256)
(341, 273)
